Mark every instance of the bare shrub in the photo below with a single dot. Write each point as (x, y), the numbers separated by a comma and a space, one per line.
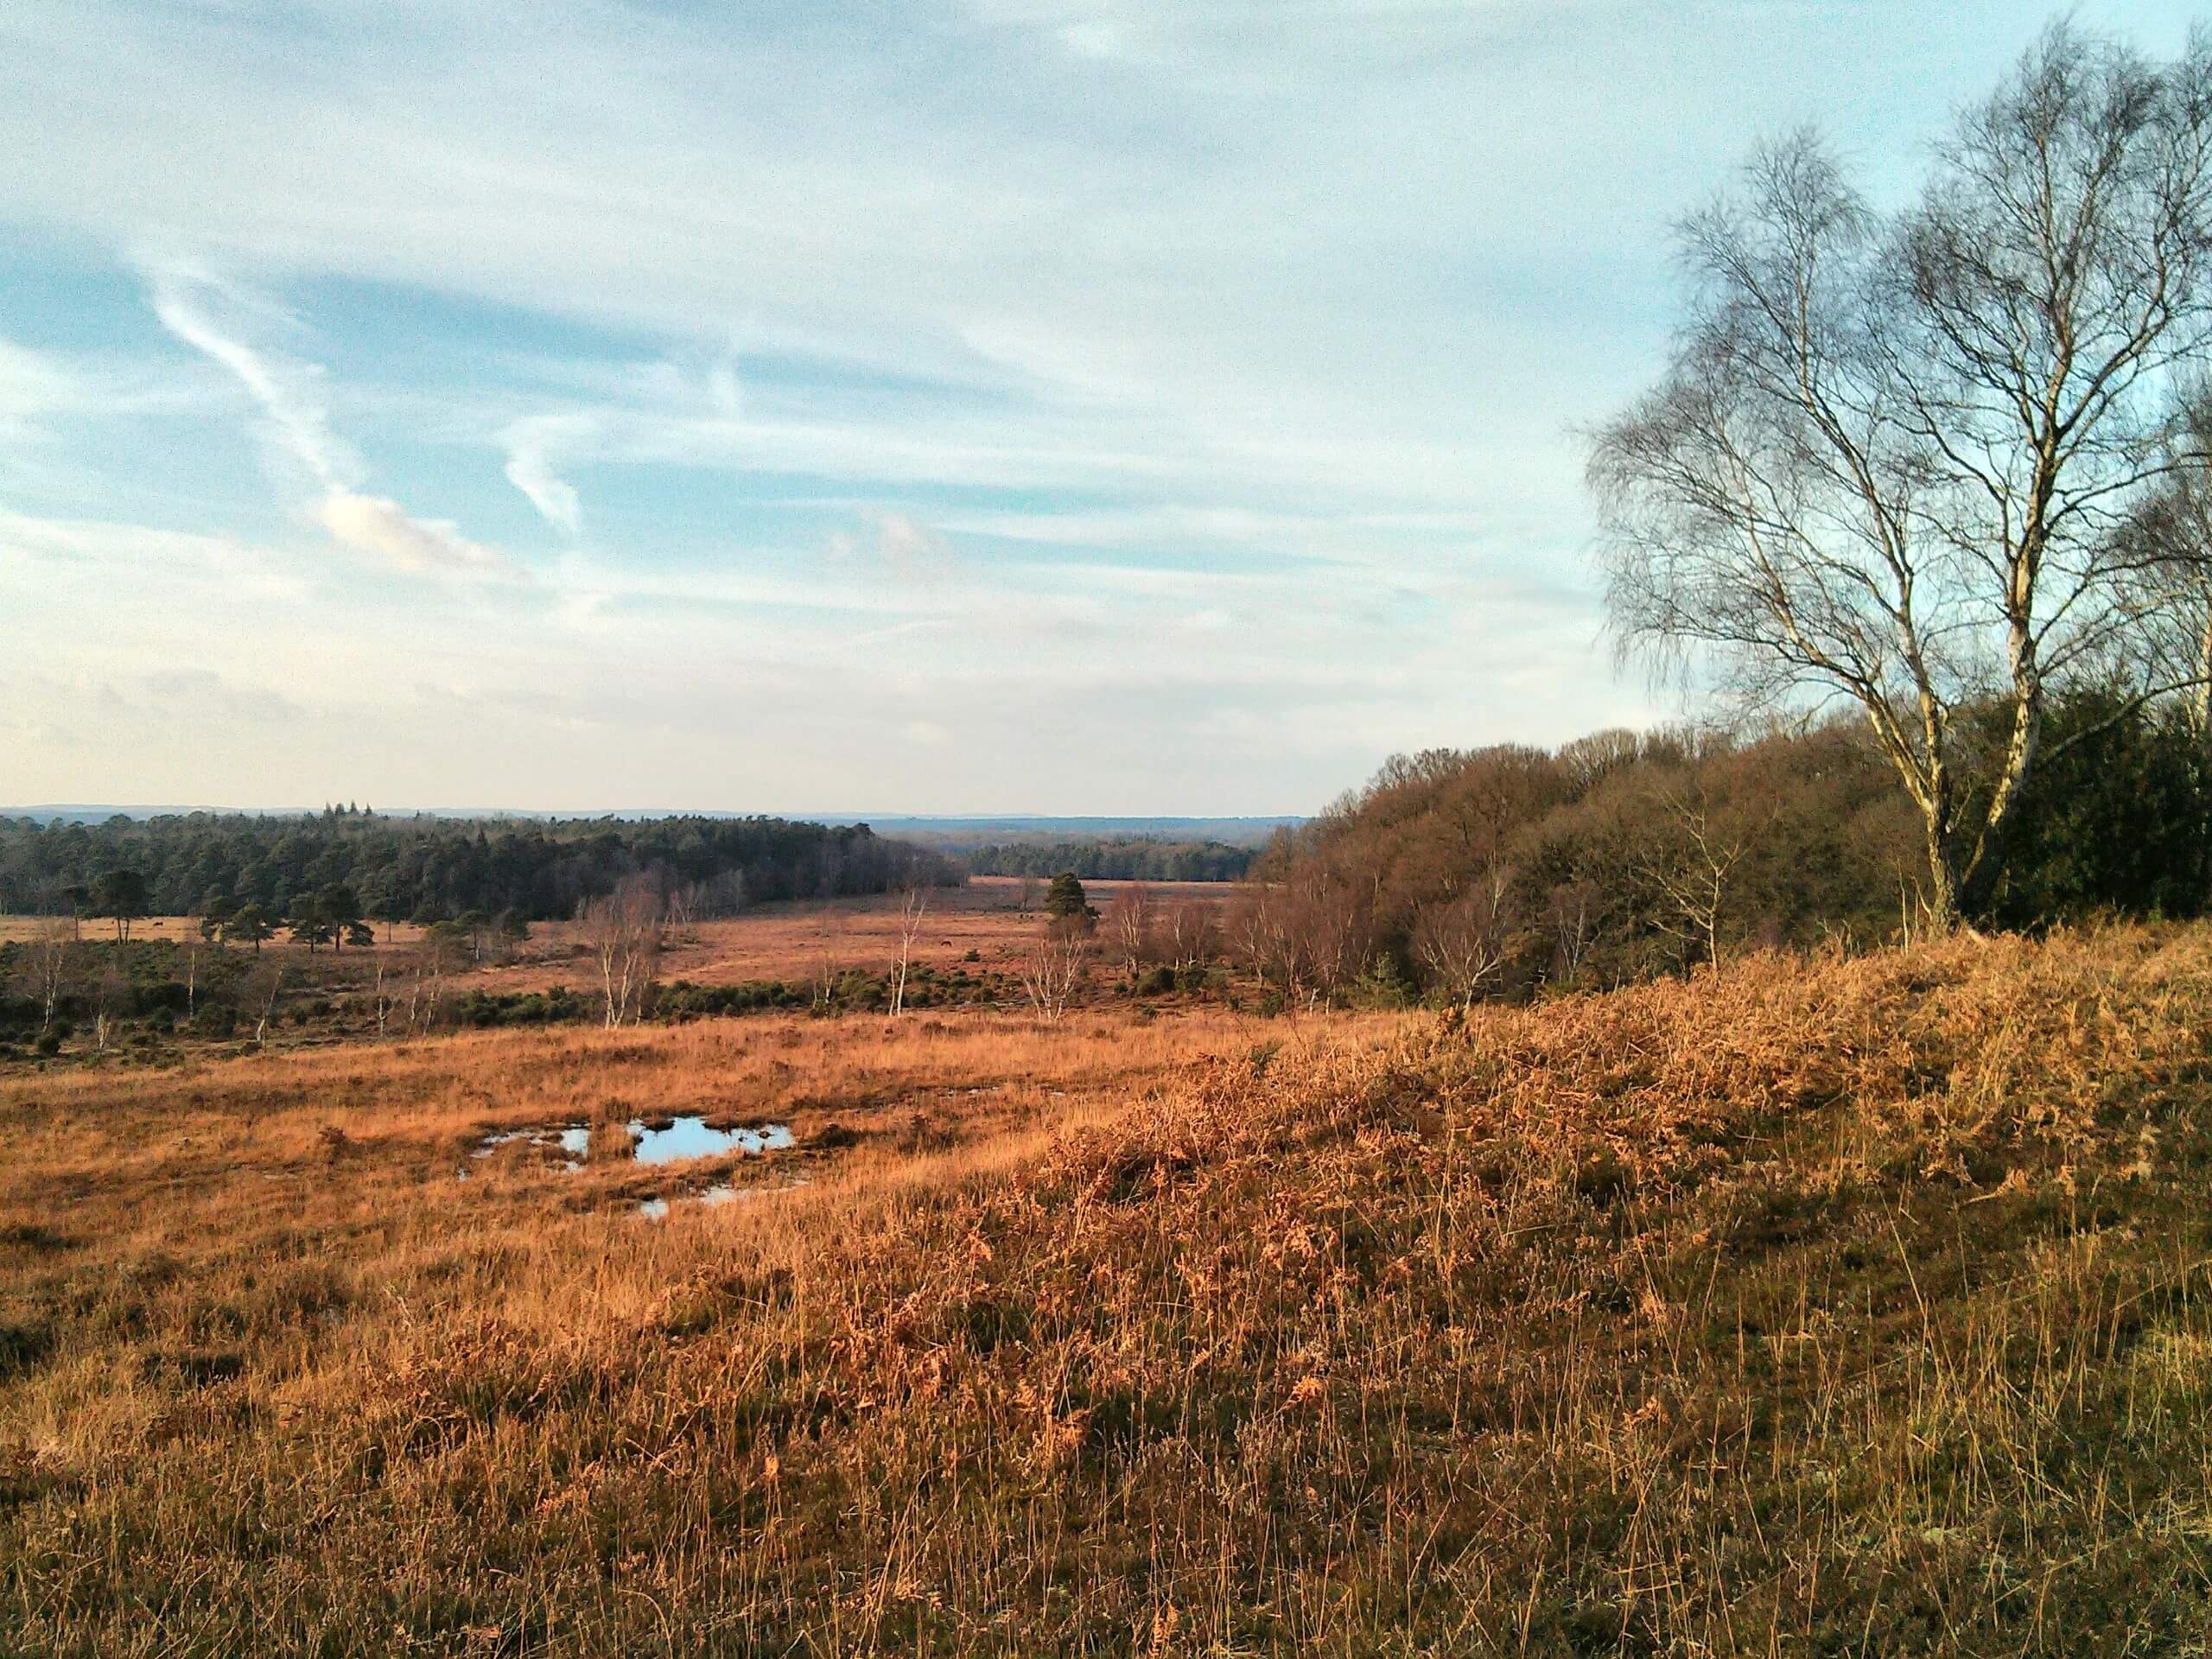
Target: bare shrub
(1052, 967)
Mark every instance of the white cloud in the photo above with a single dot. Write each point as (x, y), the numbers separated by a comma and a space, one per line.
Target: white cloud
(531, 445)
(291, 394)
(371, 525)
(911, 548)
(901, 550)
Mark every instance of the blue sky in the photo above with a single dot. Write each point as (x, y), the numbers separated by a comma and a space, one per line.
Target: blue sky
(1017, 405)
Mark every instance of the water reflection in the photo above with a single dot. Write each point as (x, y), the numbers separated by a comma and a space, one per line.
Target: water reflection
(668, 1142)
(689, 1137)
(657, 1208)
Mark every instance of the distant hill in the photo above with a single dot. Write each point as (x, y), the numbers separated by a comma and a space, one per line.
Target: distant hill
(1235, 832)
(1251, 831)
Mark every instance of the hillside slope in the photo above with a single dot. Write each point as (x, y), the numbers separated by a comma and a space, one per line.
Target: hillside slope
(1855, 1307)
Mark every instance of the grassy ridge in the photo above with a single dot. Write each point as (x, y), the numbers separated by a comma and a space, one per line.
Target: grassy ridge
(1853, 1307)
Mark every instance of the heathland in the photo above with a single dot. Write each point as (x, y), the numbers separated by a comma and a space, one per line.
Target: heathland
(1629, 1197)
(1827, 1303)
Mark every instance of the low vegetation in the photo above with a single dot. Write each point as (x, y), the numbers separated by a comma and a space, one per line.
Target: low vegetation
(181, 988)
(1844, 1307)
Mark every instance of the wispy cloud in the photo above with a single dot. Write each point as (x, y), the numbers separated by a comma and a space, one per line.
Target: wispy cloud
(1117, 393)
(290, 392)
(294, 405)
(650, 394)
(32, 384)
(532, 446)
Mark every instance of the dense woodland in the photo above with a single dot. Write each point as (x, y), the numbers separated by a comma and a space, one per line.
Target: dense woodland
(1113, 858)
(1467, 875)
(429, 869)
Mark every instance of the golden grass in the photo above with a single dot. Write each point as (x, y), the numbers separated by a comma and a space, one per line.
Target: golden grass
(181, 1152)
(783, 941)
(787, 941)
(1851, 1308)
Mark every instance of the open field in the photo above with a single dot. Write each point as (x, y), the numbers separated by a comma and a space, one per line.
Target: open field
(787, 941)
(1857, 1306)
(784, 941)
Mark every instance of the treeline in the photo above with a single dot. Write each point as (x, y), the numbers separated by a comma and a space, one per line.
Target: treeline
(1113, 858)
(428, 869)
(1465, 874)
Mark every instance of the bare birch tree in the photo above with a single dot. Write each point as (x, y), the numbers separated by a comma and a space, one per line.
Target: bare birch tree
(1463, 940)
(435, 955)
(2165, 549)
(825, 966)
(1891, 451)
(1129, 924)
(625, 930)
(913, 905)
(1262, 933)
(1191, 927)
(267, 984)
(110, 992)
(1052, 967)
(51, 947)
(1571, 918)
(1691, 870)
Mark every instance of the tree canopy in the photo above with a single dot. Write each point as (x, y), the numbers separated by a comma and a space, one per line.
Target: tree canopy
(433, 868)
(1896, 456)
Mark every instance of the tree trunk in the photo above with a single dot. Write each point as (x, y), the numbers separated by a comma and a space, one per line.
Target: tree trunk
(2200, 696)
(1940, 908)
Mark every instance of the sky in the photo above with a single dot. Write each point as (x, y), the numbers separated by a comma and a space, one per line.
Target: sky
(991, 406)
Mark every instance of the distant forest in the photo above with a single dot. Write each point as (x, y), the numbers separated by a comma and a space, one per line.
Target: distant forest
(433, 868)
(1113, 858)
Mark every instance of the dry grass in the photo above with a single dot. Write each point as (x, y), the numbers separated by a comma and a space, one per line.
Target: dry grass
(785, 941)
(1850, 1308)
(197, 1152)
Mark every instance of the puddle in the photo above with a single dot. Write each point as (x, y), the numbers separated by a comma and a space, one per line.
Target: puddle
(676, 1142)
(657, 1208)
(574, 1140)
(689, 1137)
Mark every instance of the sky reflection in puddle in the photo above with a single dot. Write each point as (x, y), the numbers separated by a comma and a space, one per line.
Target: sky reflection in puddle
(674, 1142)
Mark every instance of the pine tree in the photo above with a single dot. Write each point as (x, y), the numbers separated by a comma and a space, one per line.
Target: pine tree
(249, 925)
(1065, 897)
